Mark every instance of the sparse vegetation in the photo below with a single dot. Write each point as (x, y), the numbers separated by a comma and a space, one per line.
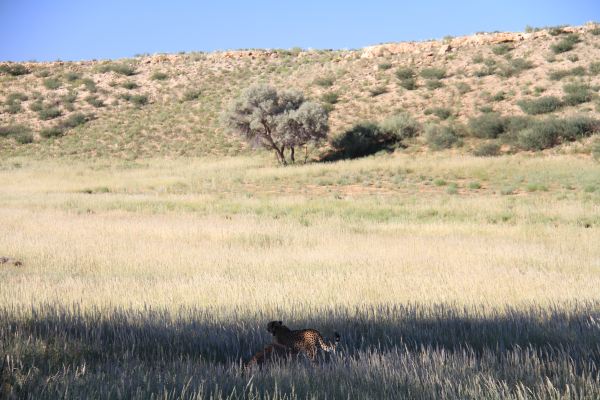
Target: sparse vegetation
(121, 69)
(403, 73)
(325, 81)
(192, 94)
(409, 83)
(501, 49)
(51, 132)
(129, 85)
(75, 120)
(94, 101)
(49, 112)
(576, 93)
(13, 69)
(487, 126)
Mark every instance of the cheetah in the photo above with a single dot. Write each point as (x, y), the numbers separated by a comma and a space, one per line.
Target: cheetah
(268, 354)
(305, 341)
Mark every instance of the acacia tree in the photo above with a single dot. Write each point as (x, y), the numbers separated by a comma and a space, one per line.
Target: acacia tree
(280, 121)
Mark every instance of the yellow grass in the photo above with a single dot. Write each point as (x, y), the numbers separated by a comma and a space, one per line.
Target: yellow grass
(238, 234)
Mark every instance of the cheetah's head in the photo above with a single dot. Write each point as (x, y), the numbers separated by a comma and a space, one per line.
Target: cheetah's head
(273, 325)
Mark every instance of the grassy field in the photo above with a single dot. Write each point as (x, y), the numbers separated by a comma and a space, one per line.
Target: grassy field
(448, 277)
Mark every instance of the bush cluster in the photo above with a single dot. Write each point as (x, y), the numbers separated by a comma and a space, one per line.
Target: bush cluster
(121, 69)
(14, 69)
(576, 93)
(367, 138)
(558, 75)
(440, 112)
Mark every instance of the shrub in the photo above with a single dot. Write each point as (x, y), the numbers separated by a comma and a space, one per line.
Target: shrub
(70, 97)
(384, 66)
(24, 137)
(191, 94)
(139, 99)
(399, 127)
(594, 68)
(16, 96)
(501, 95)
(463, 87)
(377, 90)
(36, 106)
(578, 127)
(433, 73)
(440, 112)
(489, 125)
(72, 76)
(159, 76)
(541, 105)
(74, 120)
(51, 132)
(94, 101)
(90, 85)
(361, 140)
(433, 84)
(122, 69)
(558, 75)
(52, 83)
(489, 149)
(13, 107)
(405, 73)
(596, 150)
(576, 93)
(330, 97)
(565, 44)
(14, 69)
(514, 67)
(130, 85)
(501, 49)
(47, 113)
(325, 81)
(542, 135)
(13, 130)
(474, 185)
(485, 71)
(441, 137)
(409, 83)
(595, 31)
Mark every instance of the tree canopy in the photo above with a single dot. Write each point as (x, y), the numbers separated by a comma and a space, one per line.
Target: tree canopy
(279, 120)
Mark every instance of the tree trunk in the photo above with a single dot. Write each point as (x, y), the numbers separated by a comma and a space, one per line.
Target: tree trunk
(292, 155)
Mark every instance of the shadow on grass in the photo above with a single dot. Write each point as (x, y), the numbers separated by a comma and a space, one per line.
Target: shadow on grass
(402, 343)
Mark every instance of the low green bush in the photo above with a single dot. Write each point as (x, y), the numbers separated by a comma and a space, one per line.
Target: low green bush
(488, 125)
(440, 112)
(541, 105)
(433, 84)
(399, 127)
(576, 93)
(74, 120)
(405, 73)
(565, 44)
(384, 66)
(159, 76)
(558, 75)
(409, 83)
(330, 97)
(501, 49)
(94, 101)
(441, 137)
(14, 69)
(13, 130)
(433, 73)
(489, 149)
(51, 132)
(52, 83)
(130, 85)
(594, 68)
(50, 112)
(325, 81)
(72, 76)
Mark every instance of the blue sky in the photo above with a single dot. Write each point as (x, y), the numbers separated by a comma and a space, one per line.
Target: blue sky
(75, 30)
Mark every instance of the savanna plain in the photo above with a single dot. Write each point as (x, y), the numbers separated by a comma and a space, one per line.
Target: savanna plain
(447, 276)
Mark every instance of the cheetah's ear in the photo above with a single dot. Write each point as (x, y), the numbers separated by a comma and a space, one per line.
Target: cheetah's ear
(280, 322)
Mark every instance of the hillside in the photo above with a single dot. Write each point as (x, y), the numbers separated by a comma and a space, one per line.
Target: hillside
(169, 105)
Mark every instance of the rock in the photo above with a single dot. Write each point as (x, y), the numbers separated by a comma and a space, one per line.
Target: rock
(10, 261)
(446, 48)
